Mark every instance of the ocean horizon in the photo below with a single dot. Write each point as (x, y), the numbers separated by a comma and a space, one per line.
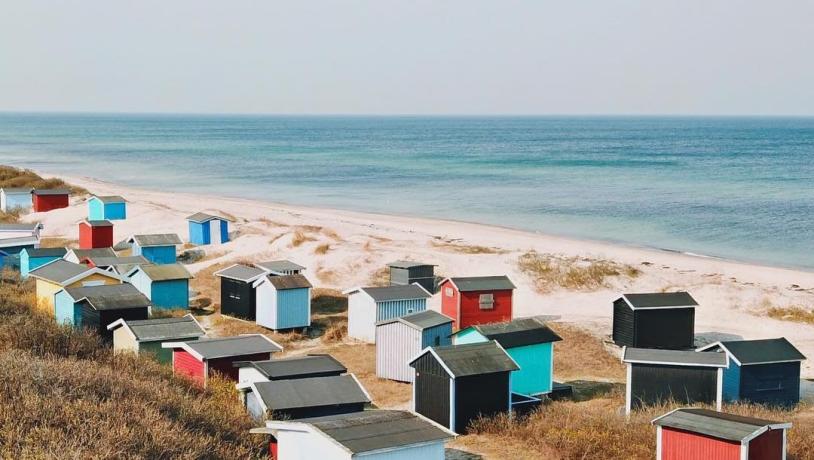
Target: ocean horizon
(739, 188)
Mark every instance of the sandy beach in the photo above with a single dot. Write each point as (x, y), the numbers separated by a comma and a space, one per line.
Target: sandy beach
(733, 296)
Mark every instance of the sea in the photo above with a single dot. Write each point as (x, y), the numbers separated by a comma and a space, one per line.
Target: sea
(739, 188)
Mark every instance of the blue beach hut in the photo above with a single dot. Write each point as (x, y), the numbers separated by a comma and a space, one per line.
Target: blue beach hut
(529, 342)
(167, 286)
(32, 258)
(107, 208)
(283, 302)
(157, 248)
(208, 229)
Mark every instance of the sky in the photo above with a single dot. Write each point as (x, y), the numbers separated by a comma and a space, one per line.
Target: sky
(408, 57)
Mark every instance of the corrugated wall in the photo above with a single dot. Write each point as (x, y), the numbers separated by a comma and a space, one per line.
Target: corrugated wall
(170, 294)
(684, 445)
(395, 345)
(293, 307)
(396, 308)
(437, 336)
(622, 324)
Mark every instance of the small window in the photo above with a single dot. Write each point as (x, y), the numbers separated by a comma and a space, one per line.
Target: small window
(409, 310)
(437, 341)
(487, 301)
(448, 292)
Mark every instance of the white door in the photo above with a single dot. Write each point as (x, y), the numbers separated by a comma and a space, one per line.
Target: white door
(214, 231)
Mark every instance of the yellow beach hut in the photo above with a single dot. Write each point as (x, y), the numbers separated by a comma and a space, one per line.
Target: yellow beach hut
(61, 274)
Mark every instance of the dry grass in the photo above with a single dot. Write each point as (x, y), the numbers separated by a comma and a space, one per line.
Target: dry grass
(322, 249)
(10, 217)
(224, 326)
(11, 177)
(327, 275)
(299, 239)
(52, 242)
(794, 313)
(581, 355)
(452, 246)
(207, 285)
(330, 233)
(380, 277)
(550, 272)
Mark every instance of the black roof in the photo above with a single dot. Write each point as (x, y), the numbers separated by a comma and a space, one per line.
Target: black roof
(518, 332)
(420, 320)
(46, 252)
(287, 368)
(389, 293)
(110, 296)
(240, 272)
(717, 424)
(408, 264)
(763, 351)
(233, 346)
(98, 223)
(311, 392)
(151, 330)
(483, 283)
(673, 357)
(660, 300)
(474, 359)
(373, 430)
(82, 254)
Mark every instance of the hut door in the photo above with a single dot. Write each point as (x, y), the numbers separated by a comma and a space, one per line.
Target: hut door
(214, 231)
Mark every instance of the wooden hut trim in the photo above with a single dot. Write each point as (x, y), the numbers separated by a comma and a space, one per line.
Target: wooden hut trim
(733, 357)
(425, 294)
(240, 272)
(663, 307)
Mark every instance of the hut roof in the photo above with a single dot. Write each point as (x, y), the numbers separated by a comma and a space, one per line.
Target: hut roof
(673, 357)
(472, 359)
(46, 252)
(59, 271)
(241, 273)
(311, 392)
(763, 351)
(19, 241)
(106, 261)
(718, 424)
(660, 300)
(420, 320)
(518, 332)
(408, 264)
(164, 272)
(286, 368)
(483, 283)
(109, 199)
(151, 330)
(155, 239)
(200, 217)
(227, 346)
(83, 254)
(20, 227)
(98, 223)
(53, 191)
(16, 189)
(278, 266)
(391, 293)
(285, 282)
(110, 297)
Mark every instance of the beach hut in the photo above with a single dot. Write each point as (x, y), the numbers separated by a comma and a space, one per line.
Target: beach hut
(399, 339)
(455, 384)
(703, 434)
(208, 229)
(655, 376)
(313, 365)
(167, 286)
(95, 307)
(81, 256)
(12, 247)
(157, 248)
(370, 434)
(146, 336)
(281, 267)
(237, 295)
(20, 230)
(198, 359)
(760, 371)
(369, 305)
(95, 234)
(117, 265)
(530, 343)
(477, 299)
(302, 398)
(655, 320)
(61, 274)
(33, 258)
(12, 199)
(107, 208)
(406, 272)
(283, 302)
(48, 200)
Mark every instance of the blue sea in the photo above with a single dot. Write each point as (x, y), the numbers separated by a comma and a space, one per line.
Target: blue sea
(737, 188)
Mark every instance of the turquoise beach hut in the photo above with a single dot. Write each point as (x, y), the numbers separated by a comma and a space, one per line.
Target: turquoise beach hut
(529, 342)
(167, 286)
(107, 208)
(208, 229)
(157, 248)
(33, 258)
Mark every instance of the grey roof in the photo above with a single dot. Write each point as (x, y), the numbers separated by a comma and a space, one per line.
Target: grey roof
(118, 261)
(83, 254)
(99, 223)
(166, 272)
(408, 264)
(201, 217)
(717, 424)
(20, 227)
(110, 296)
(19, 241)
(233, 346)
(122, 245)
(110, 199)
(240, 272)
(420, 320)
(287, 368)
(46, 252)
(389, 293)
(59, 271)
(660, 300)
(475, 359)
(53, 191)
(311, 392)
(763, 351)
(373, 430)
(278, 266)
(518, 332)
(483, 283)
(156, 239)
(675, 357)
(16, 189)
(151, 330)
(289, 282)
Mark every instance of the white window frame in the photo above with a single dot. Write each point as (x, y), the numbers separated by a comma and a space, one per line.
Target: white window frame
(449, 292)
(486, 299)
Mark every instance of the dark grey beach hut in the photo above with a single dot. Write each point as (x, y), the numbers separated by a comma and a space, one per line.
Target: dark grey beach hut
(686, 376)
(237, 296)
(99, 306)
(457, 383)
(315, 365)
(406, 272)
(399, 339)
(655, 320)
(281, 267)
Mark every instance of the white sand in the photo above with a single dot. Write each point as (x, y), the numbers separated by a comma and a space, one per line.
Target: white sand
(732, 295)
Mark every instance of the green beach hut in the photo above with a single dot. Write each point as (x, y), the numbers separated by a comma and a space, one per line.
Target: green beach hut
(529, 342)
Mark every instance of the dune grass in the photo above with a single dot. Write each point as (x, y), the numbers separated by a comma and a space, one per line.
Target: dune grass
(581, 355)
(472, 249)
(550, 272)
(299, 238)
(795, 314)
(11, 177)
(322, 249)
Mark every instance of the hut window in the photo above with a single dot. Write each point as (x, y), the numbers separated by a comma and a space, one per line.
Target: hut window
(487, 301)
(437, 341)
(234, 295)
(448, 291)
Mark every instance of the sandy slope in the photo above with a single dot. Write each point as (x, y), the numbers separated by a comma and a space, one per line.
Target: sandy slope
(732, 295)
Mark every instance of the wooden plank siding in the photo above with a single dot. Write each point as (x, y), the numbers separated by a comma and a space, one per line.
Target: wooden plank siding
(653, 384)
(396, 344)
(431, 391)
(685, 445)
(773, 384)
(186, 365)
(237, 299)
(623, 324)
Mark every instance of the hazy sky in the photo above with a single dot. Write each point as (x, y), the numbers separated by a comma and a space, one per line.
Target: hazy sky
(422, 57)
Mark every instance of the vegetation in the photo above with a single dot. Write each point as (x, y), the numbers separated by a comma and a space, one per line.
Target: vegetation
(322, 249)
(11, 177)
(453, 246)
(299, 238)
(551, 272)
(796, 314)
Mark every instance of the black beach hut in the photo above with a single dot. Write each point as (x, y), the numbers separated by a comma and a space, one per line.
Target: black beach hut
(237, 296)
(406, 272)
(655, 320)
(99, 306)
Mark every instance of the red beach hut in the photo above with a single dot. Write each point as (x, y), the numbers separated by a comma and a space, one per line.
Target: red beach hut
(95, 234)
(47, 200)
(477, 300)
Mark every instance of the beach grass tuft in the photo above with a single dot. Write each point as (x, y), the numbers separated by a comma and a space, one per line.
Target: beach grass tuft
(550, 272)
(11, 177)
(322, 249)
(461, 248)
(299, 238)
(795, 314)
